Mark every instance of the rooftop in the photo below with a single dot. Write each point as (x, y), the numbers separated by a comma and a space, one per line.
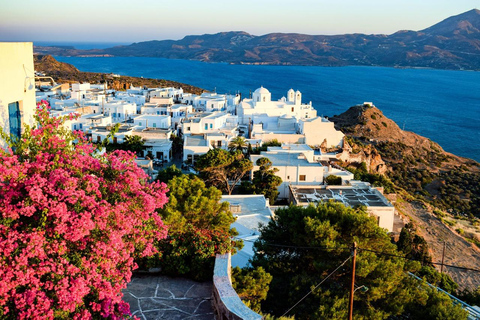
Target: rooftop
(195, 141)
(251, 211)
(285, 159)
(361, 195)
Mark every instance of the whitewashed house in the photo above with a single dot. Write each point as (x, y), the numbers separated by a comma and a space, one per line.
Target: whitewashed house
(152, 121)
(297, 166)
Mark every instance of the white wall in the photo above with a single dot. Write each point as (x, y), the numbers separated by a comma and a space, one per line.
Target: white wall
(17, 82)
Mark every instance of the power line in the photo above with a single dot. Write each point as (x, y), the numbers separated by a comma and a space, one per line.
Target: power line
(345, 248)
(435, 263)
(341, 265)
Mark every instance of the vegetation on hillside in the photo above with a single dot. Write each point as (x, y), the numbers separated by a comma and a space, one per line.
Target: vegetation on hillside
(302, 246)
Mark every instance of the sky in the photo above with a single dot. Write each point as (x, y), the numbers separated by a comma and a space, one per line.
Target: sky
(142, 20)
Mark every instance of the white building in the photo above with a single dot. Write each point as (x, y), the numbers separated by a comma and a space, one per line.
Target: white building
(358, 193)
(261, 104)
(152, 121)
(17, 87)
(157, 141)
(120, 111)
(99, 133)
(207, 122)
(251, 211)
(138, 100)
(170, 92)
(296, 165)
(212, 101)
(320, 131)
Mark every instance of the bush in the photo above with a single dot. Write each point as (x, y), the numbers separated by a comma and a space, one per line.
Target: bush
(192, 252)
(333, 180)
(71, 224)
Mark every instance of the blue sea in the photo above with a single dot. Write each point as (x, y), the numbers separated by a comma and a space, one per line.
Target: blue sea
(442, 105)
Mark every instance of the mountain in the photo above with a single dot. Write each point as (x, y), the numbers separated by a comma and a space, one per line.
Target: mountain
(453, 43)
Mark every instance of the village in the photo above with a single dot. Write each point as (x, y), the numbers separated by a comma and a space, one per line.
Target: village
(304, 150)
(308, 152)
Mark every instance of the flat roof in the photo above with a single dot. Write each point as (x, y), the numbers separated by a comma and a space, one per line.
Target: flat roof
(285, 159)
(195, 141)
(348, 195)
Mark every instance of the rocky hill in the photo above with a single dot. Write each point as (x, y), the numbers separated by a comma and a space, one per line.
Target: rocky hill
(453, 43)
(66, 73)
(438, 191)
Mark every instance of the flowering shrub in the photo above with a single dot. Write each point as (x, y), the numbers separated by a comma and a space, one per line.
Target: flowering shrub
(71, 224)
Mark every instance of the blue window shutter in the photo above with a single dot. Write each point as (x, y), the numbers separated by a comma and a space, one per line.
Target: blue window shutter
(14, 119)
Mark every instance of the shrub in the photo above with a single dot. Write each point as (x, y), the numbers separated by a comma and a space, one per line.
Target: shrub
(333, 180)
(71, 224)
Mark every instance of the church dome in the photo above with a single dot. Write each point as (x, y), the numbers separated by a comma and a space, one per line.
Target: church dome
(262, 90)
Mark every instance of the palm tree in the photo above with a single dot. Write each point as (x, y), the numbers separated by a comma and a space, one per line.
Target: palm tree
(238, 143)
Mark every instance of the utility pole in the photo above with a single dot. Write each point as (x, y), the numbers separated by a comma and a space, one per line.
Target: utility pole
(443, 256)
(352, 288)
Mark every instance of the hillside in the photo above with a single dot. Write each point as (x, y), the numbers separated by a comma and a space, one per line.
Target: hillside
(439, 191)
(453, 43)
(67, 73)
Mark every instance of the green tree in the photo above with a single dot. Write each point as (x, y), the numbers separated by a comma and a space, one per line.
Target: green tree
(430, 303)
(251, 285)
(134, 143)
(265, 181)
(301, 246)
(198, 228)
(177, 145)
(169, 173)
(223, 169)
(413, 245)
(333, 180)
(190, 201)
(238, 144)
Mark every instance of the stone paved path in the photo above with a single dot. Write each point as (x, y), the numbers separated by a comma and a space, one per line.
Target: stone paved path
(159, 297)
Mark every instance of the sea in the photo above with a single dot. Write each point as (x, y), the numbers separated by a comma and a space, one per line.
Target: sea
(442, 105)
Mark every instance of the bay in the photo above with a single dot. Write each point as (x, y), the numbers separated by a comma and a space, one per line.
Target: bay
(442, 105)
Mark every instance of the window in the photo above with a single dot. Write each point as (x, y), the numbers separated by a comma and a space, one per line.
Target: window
(212, 105)
(115, 140)
(302, 177)
(211, 126)
(140, 123)
(219, 143)
(15, 119)
(81, 126)
(206, 126)
(293, 109)
(74, 127)
(98, 138)
(154, 124)
(188, 128)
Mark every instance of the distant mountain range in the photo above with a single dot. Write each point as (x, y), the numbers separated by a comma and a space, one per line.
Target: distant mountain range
(453, 43)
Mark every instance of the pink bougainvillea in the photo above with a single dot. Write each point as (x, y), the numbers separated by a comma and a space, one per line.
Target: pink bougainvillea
(71, 223)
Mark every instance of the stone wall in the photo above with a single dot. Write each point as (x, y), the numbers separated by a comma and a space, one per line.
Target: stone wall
(226, 303)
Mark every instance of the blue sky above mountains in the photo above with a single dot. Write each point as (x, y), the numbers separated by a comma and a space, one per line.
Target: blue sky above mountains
(133, 21)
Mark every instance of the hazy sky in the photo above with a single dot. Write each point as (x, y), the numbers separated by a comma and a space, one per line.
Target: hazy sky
(140, 20)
